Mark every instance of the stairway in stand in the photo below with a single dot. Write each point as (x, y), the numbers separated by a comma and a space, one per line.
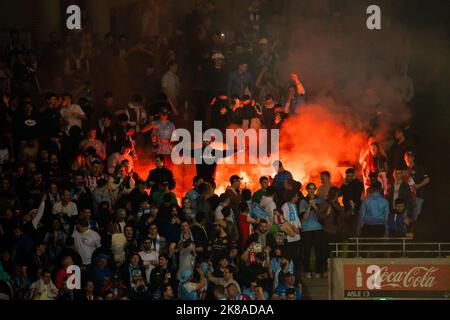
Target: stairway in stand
(315, 289)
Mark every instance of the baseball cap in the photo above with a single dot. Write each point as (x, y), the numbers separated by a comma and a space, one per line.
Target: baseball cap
(263, 41)
(218, 55)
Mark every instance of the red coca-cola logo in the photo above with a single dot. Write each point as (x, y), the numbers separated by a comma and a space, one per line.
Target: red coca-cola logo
(416, 277)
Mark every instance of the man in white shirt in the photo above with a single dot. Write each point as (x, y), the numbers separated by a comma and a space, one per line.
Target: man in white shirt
(86, 241)
(149, 256)
(293, 245)
(71, 113)
(65, 210)
(170, 83)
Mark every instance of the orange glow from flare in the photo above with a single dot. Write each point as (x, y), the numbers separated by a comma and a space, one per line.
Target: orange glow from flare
(311, 142)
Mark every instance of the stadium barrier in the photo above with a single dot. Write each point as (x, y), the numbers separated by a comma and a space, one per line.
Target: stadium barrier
(387, 269)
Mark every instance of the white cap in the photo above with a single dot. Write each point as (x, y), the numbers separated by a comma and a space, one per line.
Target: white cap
(263, 41)
(218, 55)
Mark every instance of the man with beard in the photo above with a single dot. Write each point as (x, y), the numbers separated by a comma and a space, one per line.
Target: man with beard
(260, 241)
(194, 193)
(262, 237)
(150, 257)
(161, 276)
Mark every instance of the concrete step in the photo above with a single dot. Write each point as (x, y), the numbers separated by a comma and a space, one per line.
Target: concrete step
(315, 282)
(315, 289)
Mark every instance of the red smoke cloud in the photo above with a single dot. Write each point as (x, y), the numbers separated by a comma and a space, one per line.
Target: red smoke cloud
(313, 141)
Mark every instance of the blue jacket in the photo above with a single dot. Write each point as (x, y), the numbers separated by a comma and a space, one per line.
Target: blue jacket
(374, 211)
(397, 227)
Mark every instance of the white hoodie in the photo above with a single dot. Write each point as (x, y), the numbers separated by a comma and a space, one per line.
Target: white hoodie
(268, 205)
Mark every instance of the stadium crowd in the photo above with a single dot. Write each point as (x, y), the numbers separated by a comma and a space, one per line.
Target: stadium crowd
(69, 194)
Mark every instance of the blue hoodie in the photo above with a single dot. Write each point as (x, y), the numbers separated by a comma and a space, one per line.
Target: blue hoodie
(374, 211)
(397, 226)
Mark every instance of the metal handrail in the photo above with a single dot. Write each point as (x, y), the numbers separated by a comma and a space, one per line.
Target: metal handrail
(378, 238)
(387, 251)
(401, 242)
(391, 243)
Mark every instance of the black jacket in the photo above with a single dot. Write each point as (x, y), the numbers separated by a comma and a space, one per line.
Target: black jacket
(159, 276)
(352, 191)
(158, 175)
(200, 237)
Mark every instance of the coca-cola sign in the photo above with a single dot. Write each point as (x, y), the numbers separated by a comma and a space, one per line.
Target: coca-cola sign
(369, 280)
(416, 277)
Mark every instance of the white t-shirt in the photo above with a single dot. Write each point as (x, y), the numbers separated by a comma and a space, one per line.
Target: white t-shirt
(71, 209)
(218, 212)
(147, 259)
(295, 222)
(86, 243)
(67, 114)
